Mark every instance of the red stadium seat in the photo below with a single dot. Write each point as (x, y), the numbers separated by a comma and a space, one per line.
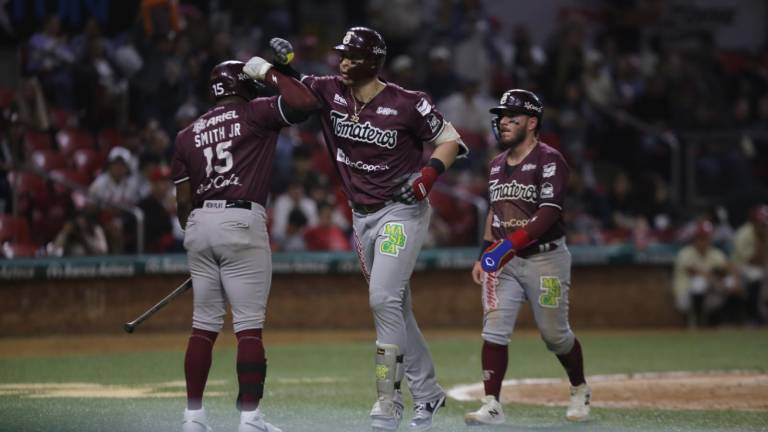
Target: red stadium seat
(108, 138)
(88, 161)
(14, 229)
(69, 176)
(19, 250)
(37, 140)
(70, 140)
(48, 160)
(29, 185)
(63, 119)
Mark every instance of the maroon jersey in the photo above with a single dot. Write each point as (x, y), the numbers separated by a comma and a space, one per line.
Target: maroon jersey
(227, 152)
(375, 143)
(516, 192)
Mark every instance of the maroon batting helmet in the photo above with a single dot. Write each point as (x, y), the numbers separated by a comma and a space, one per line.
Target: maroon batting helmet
(362, 43)
(518, 101)
(228, 79)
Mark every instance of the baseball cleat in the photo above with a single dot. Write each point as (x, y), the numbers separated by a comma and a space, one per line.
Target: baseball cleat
(423, 413)
(490, 413)
(578, 409)
(253, 421)
(386, 415)
(195, 421)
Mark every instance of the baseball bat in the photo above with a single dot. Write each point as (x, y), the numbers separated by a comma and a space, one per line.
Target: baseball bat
(181, 289)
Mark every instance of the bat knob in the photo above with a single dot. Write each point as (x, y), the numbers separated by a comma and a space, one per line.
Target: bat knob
(128, 327)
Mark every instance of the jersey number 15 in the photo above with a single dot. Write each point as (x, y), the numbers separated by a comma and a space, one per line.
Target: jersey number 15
(222, 154)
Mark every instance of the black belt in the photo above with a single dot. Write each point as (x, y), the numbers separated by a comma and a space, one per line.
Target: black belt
(367, 208)
(537, 249)
(242, 204)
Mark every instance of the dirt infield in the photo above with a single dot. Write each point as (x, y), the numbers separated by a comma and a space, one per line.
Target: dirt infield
(716, 390)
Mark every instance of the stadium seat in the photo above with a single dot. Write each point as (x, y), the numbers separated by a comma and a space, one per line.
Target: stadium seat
(108, 138)
(70, 176)
(30, 187)
(37, 140)
(14, 229)
(69, 140)
(19, 250)
(48, 160)
(63, 119)
(88, 161)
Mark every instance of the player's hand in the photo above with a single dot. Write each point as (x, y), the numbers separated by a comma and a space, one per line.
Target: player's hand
(282, 49)
(477, 273)
(497, 255)
(257, 68)
(416, 187)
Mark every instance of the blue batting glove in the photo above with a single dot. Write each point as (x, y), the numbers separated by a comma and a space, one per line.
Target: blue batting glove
(497, 256)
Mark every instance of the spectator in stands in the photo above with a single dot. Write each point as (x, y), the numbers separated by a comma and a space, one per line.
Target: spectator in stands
(116, 185)
(326, 235)
(51, 59)
(703, 283)
(158, 230)
(148, 164)
(441, 80)
(293, 238)
(293, 199)
(80, 236)
(750, 254)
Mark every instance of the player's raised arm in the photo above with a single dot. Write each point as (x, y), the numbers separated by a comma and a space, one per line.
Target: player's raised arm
(297, 100)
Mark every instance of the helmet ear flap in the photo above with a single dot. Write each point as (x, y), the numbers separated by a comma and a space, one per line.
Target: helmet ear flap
(495, 128)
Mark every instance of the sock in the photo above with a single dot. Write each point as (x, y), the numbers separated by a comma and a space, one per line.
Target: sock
(573, 362)
(197, 364)
(494, 360)
(251, 368)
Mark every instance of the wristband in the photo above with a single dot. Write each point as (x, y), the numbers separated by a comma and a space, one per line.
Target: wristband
(486, 245)
(437, 164)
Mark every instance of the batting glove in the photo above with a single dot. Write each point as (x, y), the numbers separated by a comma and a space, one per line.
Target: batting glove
(497, 255)
(416, 187)
(282, 49)
(257, 68)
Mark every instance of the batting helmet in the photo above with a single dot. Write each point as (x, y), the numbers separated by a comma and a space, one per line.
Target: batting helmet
(228, 79)
(362, 43)
(517, 101)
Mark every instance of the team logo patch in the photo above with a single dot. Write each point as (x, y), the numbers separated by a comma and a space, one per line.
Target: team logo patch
(423, 107)
(495, 170)
(549, 170)
(511, 191)
(381, 372)
(198, 126)
(547, 190)
(434, 122)
(395, 239)
(386, 111)
(528, 167)
(551, 292)
(337, 99)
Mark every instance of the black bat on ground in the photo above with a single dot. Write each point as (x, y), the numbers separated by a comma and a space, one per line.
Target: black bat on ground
(181, 289)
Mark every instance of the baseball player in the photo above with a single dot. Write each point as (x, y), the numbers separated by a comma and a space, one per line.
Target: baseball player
(524, 256)
(375, 131)
(221, 168)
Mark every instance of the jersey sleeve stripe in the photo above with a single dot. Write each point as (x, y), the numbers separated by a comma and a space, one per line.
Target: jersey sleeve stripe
(437, 135)
(550, 205)
(280, 108)
(181, 180)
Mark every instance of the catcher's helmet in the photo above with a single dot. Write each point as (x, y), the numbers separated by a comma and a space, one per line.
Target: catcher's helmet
(517, 101)
(228, 79)
(364, 44)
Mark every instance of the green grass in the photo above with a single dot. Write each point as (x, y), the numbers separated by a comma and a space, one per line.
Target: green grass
(343, 406)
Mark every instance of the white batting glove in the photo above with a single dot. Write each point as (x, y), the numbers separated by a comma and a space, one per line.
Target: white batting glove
(257, 68)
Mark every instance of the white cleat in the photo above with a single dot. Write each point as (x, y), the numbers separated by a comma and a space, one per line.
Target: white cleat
(578, 409)
(423, 413)
(195, 421)
(253, 421)
(490, 413)
(386, 415)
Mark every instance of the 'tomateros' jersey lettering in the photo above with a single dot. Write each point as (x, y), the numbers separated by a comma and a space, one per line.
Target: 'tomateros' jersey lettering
(516, 192)
(374, 144)
(227, 152)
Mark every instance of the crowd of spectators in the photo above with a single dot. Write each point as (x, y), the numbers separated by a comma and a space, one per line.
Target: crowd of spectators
(101, 99)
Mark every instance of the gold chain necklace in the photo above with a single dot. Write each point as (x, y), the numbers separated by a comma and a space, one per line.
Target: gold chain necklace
(356, 114)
